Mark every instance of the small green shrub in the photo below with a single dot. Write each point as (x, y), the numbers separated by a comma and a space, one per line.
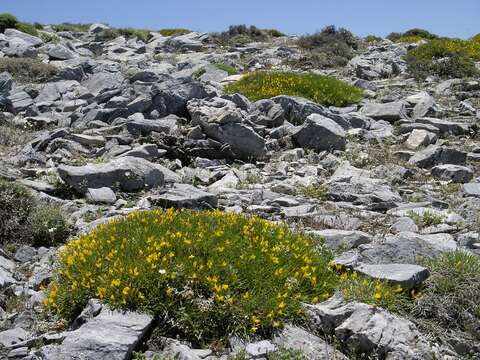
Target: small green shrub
(426, 219)
(228, 68)
(372, 38)
(320, 89)
(7, 21)
(27, 28)
(11, 135)
(316, 191)
(48, 225)
(128, 33)
(446, 58)
(26, 70)
(328, 48)
(242, 34)
(286, 354)
(174, 32)
(16, 204)
(424, 34)
(38, 26)
(71, 27)
(449, 299)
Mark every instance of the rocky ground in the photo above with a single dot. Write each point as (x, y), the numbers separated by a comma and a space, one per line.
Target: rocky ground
(127, 125)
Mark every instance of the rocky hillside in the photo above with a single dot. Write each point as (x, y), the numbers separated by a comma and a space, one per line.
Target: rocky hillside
(98, 124)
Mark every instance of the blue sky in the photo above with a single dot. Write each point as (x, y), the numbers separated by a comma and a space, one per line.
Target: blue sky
(458, 18)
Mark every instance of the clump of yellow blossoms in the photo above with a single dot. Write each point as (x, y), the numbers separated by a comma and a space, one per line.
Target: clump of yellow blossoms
(317, 88)
(205, 274)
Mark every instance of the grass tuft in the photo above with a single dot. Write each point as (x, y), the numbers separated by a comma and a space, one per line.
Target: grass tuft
(26, 70)
(320, 89)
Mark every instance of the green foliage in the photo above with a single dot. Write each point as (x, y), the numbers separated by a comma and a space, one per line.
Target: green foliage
(27, 70)
(71, 27)
(446, 58)
(286, 354)
(228, 68)
(11, 135)
(331, 47)
(7, 21)
(38, 26)
(424, 34)
(128, 33)
(426, 219)
(372, 38)
(210, 273)
(320, 89)
(26, 220)
(48, 225)
(316, 191)
(242, 34)
(450, 296)
(27, 28)
(174, 32)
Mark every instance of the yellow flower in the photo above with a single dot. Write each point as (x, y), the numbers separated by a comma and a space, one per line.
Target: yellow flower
(125, 290)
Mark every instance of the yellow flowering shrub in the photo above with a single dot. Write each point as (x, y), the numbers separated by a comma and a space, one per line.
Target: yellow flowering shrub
(205, 274)
(320, 89)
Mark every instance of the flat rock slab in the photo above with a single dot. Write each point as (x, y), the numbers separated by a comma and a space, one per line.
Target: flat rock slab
(390, 112)
(369, 330)
(184, 196)
(408, 276)
(472, 189)
(110, 335)
(312, 347)
(342, 239)
(126, 173)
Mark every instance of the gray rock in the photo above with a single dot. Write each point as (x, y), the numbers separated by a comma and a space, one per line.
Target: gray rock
(342, 239)
(402, 248)
(167, 125)
(438, 155)
(404, 224)
(320, 133)
(447, 127)
(30, 39)
(13, 336)
(454, 173)
(102, 195)
(471, 189)
(60, 52)
(259, 349)
(109, 335)
(369, 330)
(146, 151)
(98, 28)
(126, 173)
(408, 276)
(419, 138)
(25, 253)
(311, 346)
(390, 112)
(184, 196)
(18, 102)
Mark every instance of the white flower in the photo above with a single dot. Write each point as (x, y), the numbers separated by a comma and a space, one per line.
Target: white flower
(162, 271)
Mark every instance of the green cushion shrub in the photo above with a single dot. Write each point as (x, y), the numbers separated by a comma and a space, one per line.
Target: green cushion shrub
(320, 89)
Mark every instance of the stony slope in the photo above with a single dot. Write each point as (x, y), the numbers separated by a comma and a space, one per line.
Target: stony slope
(129, 125)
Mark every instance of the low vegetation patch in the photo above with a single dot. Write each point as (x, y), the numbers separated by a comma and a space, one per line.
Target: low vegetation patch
(315, 191)
(449, 299)
(128, 33)
(25, 220)
(11, 135)
(242, 34)
(174, 32)
(445, 58)
(26, 70)
(71, 27)
(320, 89)
(426, 219)
(228, 68)
(412, 35)
(372, 38)
(9, 21)
(205, 274)
(328, 48)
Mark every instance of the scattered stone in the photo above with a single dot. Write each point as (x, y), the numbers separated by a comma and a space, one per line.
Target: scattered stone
(454, 173)
(390, 112)
(320, 133)
(406, 275)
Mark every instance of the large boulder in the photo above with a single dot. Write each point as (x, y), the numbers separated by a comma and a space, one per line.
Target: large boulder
(108, 334)
(126, 173)
(171, 96)
(438, 155)
(320, 133)
(184, 196)
(390, 112)
(369, 330)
